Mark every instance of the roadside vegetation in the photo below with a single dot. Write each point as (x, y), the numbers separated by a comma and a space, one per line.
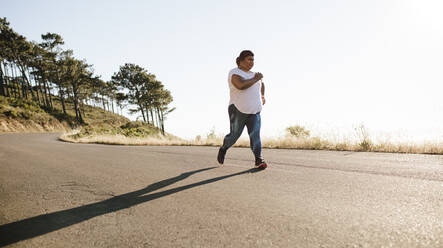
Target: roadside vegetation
(296, 137)
(361, 142)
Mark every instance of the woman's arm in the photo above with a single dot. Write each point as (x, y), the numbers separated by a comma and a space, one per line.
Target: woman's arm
(243, 84)
(263, 93)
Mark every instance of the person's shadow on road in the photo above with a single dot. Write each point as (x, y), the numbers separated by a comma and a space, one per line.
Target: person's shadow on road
(46, 223)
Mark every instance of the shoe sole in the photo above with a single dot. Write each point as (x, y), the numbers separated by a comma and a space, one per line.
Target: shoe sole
(261, 166)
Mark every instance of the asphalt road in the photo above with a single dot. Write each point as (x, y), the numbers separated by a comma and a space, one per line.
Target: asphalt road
(57, 194)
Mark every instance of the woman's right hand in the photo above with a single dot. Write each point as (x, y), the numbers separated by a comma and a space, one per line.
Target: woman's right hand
(258, 76)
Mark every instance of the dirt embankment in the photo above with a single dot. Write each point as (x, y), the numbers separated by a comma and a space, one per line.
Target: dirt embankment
(11, 125)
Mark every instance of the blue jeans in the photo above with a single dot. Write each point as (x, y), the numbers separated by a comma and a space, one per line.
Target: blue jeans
(238, 120)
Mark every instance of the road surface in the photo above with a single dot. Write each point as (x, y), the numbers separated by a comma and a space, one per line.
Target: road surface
(57, 194)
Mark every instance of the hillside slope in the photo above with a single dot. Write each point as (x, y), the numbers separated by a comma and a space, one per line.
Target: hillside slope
(18, 115)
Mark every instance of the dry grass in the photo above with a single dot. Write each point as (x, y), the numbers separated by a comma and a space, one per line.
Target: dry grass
(311, 143)
(325, 144)
(119, 139)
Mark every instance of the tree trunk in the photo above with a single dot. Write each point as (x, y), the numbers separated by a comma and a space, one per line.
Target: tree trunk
(82, 109)
(62, 98)
(2, 82)
(11, 82)
(24, 94)
(103, 102)
(33, 77)
(45, 87)
(14, 88)
(152, 117)
(143, 112)
(147, 114)
(26, 84)
(5, 76)
(61, 93)
(50, 96)
(42, 75)
(21, 89)
(162, 121)
(156, 118)
(42, 95)
(80, 113)
(28, 79)
(45, 92)
(39, 90)
(76, 107)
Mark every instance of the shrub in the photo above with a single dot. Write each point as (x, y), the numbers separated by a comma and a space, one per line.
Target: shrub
(211, 134)
(26, 114)
(298, 131)
(138, 129)
(135, 124)
(3, 100)
(11, 113)
(365, 142)
(341, 147)
(316, 143)
(137, 132)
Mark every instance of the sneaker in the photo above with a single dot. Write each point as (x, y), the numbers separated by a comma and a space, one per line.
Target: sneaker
(221, 155)
(260, 164)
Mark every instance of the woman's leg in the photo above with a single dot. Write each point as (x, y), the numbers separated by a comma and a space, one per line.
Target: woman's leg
(237, 124)
(253, 123)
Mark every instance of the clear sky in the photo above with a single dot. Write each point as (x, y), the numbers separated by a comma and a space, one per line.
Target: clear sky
(327, 65)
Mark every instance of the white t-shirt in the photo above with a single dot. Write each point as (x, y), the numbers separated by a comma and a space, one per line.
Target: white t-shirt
(247, 101)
